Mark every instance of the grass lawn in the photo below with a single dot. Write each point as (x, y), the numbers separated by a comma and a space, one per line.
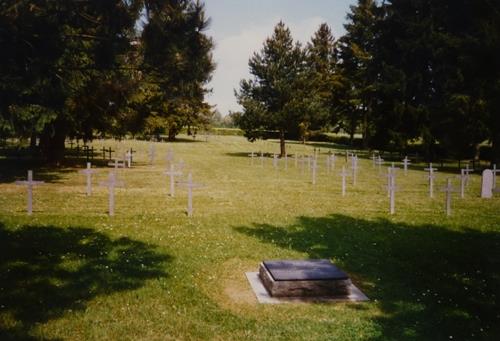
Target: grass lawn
(151, 273)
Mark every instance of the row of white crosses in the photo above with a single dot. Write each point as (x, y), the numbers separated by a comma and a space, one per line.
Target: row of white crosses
(112, 183)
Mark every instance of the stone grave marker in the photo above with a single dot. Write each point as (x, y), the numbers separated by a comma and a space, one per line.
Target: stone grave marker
(487, 184)
(88, 172)
(354, 168)
(343, 174)
(128, 158)
(379, 162)
(495, 171)
(333, 159)
(152, 154)
(252, 155)
(313, 278)
(463, 179)
(391, 187)
(328, 161)
(448, 189)
(406, 162)
(117, 163)
(467, 172)
(295, 159)
(172, 173)
(111, 184)
(314, 168)
(431, 176)
(275, 161)
(29, 184)
(190, 185)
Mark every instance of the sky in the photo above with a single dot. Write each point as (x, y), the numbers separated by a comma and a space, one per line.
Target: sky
(239, 28)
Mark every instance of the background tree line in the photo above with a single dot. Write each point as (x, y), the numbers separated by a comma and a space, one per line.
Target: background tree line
(404, 72)
(81, 68)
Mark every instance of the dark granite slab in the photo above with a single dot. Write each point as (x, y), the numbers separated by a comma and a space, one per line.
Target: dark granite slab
(304, 270)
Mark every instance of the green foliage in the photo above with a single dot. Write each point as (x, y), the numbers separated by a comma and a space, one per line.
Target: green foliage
(177, 64)
(273, 99)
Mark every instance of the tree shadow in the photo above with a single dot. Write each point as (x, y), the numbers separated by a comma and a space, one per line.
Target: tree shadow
(429, 282)
(46, 271)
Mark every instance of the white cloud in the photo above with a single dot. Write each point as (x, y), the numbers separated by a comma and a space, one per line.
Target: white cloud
(232, 53)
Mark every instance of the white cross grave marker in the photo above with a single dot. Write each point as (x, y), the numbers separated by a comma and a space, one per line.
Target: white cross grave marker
(128, 158)
(495, 171)
(152, 154)
(286, 161)
(463, 180)
(467, 170)
(379, 162)
(406, 162)
(354, 166)
(431, 178)
(275, 161)
(190, 185)
(448, 189)
(252, 155)
(172, 173)
(314, 167)
(29, 184)
(88, 172)
(391, 187)
(111, 184)
(343, 174)
(117, 163)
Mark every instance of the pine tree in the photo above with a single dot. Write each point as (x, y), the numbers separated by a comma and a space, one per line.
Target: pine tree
(177, 65)
(274, 98)
(324, 81)
(359, 76)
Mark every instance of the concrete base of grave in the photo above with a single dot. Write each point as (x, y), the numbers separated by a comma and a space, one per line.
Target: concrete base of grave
(263, 296)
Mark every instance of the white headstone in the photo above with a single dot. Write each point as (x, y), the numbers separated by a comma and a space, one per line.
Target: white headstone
(487, 184)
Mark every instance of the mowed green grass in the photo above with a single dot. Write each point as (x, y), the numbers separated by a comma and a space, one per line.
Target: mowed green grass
(70, 272)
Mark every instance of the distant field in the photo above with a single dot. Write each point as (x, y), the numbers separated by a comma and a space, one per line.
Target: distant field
(151, 273)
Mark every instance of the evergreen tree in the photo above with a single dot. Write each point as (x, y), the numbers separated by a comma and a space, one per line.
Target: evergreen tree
(177, 65)
(324, 81)
(274, 99)
(356, 50)
(57, 57)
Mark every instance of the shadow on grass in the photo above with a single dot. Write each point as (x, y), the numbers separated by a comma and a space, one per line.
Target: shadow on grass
(12, 169)
(429, 282)
(46, 271)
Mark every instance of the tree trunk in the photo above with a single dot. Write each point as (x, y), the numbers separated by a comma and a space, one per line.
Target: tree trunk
(52, 142)
(171, 134)
(365, 129)
(282, 144)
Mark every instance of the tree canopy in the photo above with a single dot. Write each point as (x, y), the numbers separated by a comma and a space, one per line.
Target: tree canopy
(77, 69)
(422, 71)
